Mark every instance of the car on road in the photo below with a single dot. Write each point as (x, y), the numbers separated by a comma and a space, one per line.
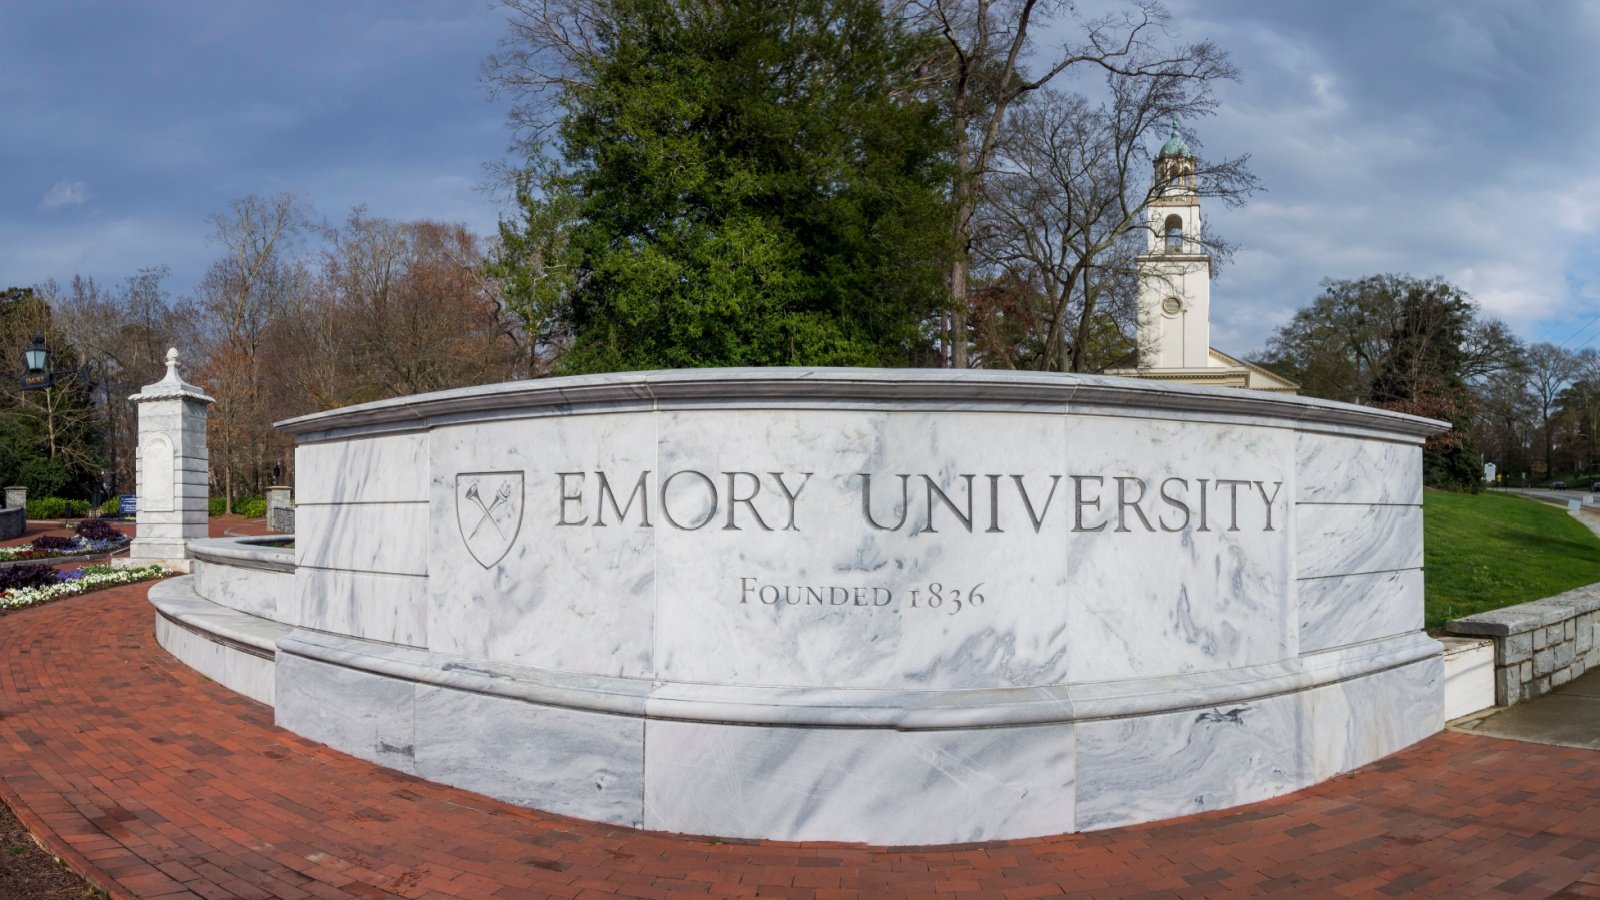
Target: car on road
(1558, 485)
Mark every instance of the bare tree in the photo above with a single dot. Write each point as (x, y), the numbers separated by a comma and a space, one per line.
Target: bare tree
(414, 314)
(541, 57)
(246, 290)
(1067, 203)
(121, 337)
(982, 75)
(1548, 372)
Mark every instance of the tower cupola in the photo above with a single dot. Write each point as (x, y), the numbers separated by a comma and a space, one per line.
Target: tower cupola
(1175, 147)
(1175, 166)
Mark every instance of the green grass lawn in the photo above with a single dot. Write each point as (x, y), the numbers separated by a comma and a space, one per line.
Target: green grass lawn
(1486, 551)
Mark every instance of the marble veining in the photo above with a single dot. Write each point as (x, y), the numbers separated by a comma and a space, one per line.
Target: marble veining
(574, 763)
(1331, 469)
(1357, 721)
(1351, 609)
(389, 469)
(855, 785)
(361, 713)
(1151, 601)
(1157, 767)
(379, 537)
(1357, 539)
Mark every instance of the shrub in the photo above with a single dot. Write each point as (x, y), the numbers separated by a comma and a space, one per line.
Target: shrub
(43, 476)
(216, 506)
(98, 530)
(251, 507)
(28, 575)
(57, 508)
(53, 543)
(48, 508)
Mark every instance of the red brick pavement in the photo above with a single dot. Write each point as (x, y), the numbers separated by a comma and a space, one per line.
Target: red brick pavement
(154, 782)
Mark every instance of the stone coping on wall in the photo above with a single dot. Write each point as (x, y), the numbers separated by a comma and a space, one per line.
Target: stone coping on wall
(1539, 646)
(252, 552)
(899, 389)
(176, 601)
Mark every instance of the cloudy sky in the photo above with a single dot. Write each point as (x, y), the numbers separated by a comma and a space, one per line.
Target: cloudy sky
(1459, 139)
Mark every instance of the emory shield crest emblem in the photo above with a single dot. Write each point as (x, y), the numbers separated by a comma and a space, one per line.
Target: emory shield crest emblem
(489, 511)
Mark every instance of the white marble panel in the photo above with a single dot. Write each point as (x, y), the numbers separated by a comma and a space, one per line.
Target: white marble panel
(843, 611)
(1349, 609)
(1164, 587)
(1468, 676)
(1157, 767)
(388, 469)
(390, 538)
(563, 761)
(1366, 718)
(388, 608)
(577, 597)
(230, 667)
(1334, 469)
(1352, 540)
(367, 716)
(252, 591)
(867, 785)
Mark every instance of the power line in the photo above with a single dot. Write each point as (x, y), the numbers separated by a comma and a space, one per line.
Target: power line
(1582, 330)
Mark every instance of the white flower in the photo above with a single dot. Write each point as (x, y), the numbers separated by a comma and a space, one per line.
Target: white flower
(93, 577)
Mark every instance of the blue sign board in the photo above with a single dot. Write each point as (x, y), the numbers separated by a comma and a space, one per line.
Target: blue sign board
(127, 504)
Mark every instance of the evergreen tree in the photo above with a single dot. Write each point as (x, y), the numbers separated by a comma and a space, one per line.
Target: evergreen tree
(750, 183)
(48, 439)
(1422, 374)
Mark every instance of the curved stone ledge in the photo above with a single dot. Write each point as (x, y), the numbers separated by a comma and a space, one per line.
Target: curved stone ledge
(246, 552)
(236, 650)
(898, 389)
(837, 708)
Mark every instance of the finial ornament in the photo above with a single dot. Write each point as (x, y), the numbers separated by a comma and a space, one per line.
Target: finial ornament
(172, 385)
(1175, 147)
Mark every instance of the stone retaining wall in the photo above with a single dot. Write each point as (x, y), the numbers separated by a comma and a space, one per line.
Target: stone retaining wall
(1539, 646)
(13, 522)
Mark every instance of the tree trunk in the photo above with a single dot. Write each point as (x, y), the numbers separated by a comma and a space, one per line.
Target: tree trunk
(965, 203)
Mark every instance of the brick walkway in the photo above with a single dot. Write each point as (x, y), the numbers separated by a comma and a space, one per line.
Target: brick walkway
(153, 781)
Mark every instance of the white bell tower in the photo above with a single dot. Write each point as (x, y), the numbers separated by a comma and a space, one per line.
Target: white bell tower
(1175, 272)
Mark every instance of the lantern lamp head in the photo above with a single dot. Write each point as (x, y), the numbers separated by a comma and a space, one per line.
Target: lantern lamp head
(36, 356)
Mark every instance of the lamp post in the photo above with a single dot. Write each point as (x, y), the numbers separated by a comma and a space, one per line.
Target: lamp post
(37, 360)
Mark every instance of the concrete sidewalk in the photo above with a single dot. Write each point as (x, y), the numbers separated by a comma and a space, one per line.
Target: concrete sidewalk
(1569, 716)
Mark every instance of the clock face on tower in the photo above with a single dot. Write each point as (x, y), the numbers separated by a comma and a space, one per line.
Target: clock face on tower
(1172, 306)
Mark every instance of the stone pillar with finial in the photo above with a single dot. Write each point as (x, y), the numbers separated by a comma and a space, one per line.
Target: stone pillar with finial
(173, 464)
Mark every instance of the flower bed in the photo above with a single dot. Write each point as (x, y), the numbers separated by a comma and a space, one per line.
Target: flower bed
(94, 536)
(40, 589)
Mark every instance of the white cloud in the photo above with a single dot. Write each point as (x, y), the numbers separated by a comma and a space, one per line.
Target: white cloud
(66, 193)
(1464, 159)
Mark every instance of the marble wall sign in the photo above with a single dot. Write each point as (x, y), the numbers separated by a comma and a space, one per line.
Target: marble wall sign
(888, 606)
